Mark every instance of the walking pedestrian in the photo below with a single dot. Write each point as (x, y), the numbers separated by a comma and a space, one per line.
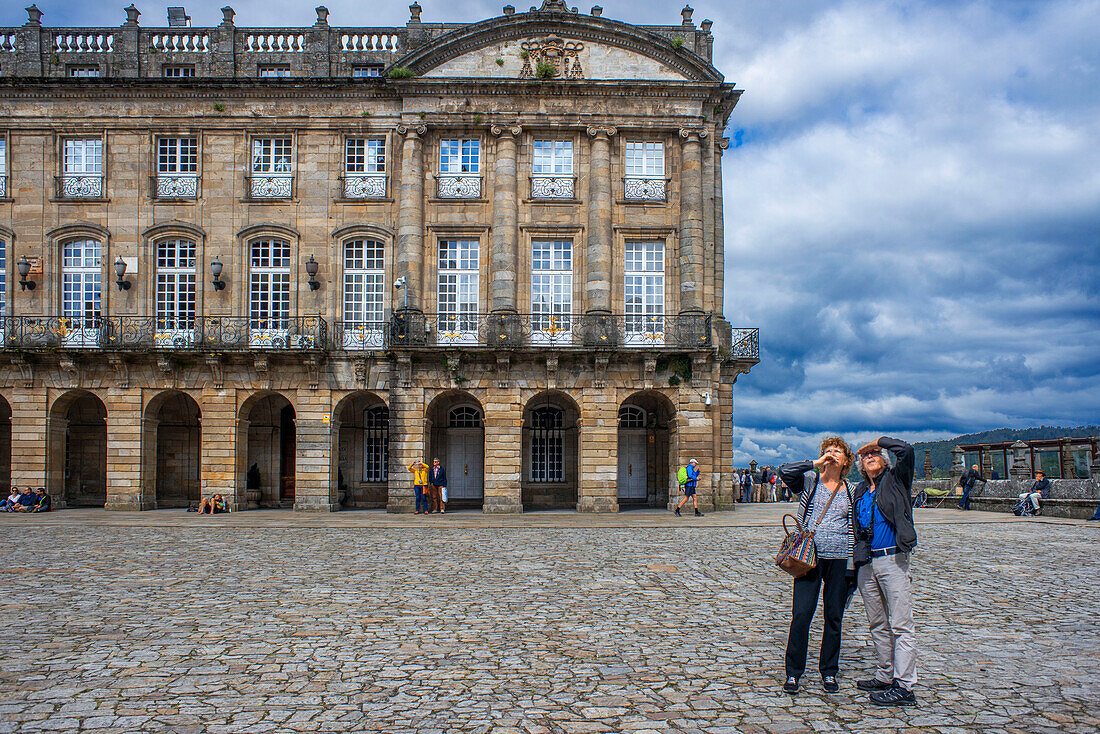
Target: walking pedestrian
(689, 488)
(746, 486)
(437, 480)
(826, 508)
(885, 536)
(736, 482)
(967, 482)
(420, 485)
(771, 485)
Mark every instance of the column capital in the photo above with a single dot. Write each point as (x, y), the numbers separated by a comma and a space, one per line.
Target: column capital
(602, 130)
(694, 134)
(501, 131)
(412, 132)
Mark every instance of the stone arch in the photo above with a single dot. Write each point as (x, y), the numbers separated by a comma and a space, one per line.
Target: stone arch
(76, 450)
(550, 474)
(647, 455)
(266, 439)
(171, 450)
(360, 454)
(455, 425)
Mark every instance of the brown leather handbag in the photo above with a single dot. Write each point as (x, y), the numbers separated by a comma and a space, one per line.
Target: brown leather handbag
(797, 555)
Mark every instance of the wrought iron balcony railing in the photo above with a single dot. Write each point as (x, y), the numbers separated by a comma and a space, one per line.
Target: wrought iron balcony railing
(465, 186)
(645, 189)
(142, 333)
(364, 186)
(3, 186)
(79, 187)
(552, 187)
(558, 330)
(273, 186)
(358, 335)
(176, 186)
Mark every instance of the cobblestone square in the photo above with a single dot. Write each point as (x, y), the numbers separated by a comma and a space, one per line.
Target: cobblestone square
(546, 623)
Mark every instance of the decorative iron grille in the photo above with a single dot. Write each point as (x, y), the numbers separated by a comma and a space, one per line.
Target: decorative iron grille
(80, 187)
(177, 186)
(458, 187)
(645, 189)
(365, 186)
(552, 187)
(271, 187)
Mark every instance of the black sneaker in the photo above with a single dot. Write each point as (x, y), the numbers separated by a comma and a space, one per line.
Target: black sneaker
(791, 686)
(896, 695)
(677, 511)
(698, 514)
(873, 684)
(828, 682)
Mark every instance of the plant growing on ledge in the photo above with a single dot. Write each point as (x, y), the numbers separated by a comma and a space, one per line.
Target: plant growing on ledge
(478, 118)
(677, 43)
(402, 72)
(500, 62)
(524, 55)
(545, 70)
(219, 107)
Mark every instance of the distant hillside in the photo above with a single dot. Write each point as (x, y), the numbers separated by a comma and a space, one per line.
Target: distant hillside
(941, 450)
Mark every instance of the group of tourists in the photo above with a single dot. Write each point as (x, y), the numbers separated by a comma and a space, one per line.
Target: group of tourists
(1030, 502)
(27, 500)
(769, 487)
(429, 487)
(863, 536)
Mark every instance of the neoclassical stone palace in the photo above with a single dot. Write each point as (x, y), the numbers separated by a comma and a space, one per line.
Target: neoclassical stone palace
(283, 263)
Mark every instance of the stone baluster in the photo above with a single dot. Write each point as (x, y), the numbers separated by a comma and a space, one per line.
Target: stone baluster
(409, 258)
(598, 286)
(505, 247)
(691, 220)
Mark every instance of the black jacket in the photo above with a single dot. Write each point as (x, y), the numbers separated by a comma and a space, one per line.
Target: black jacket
(970, 478)
(437, 475)
(893, 497)
(1042, 487)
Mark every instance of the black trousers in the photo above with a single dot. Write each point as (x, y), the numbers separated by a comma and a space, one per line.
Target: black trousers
(829, 574)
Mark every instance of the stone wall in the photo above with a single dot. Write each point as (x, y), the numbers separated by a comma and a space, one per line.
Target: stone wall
(1076, 498)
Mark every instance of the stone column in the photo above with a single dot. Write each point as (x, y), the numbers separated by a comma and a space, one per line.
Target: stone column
(505, 241)
(597, 488)
(598, 286)
(221, 471)
(223, 43)
(28, 59)
(408, 443)
(691, 220)
(29, 408)
(719, 230)
(408, 260)
(503, 452)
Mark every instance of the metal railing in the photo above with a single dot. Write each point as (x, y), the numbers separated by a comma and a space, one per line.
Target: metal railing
(70, 186)
(142, 333)
(461, 186)
(270, 186)
(364, 185)
(176, 186)
(552, 187)
(645, 189)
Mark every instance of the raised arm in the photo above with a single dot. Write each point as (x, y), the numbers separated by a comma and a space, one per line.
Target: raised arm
(903, 458)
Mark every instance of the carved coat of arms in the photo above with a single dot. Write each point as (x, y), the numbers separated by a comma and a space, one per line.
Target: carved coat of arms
(563, 56)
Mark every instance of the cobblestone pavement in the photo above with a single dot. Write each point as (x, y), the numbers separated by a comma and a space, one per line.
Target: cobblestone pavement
(671, 627)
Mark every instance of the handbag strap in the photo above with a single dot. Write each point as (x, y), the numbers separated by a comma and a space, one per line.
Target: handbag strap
(843, 483)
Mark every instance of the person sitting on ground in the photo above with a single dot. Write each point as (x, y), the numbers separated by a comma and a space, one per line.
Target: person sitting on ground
(1039, 490)
(26, 500)
(11, 501)
(215, 505)
(41, 501)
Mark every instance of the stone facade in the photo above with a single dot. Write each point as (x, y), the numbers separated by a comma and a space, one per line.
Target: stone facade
(299, 376)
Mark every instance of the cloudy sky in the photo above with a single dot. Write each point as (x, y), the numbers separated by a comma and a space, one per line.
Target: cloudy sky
(912, 208)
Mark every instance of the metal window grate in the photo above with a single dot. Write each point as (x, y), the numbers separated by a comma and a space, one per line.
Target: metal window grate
(376, 446)
(464, 417)
(547, 445)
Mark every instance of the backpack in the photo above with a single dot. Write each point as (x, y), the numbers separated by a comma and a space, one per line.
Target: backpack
(682, 475)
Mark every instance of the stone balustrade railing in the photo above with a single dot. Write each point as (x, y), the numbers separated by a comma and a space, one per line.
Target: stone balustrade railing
(180, 42)
(84, 43)
(367, 39)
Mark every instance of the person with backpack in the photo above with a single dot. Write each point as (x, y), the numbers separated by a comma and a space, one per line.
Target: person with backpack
(687, 476)
(746, 486)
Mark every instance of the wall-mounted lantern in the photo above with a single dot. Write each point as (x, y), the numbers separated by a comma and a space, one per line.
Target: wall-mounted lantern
(24, 266)
(311, 271)
(120, 273)
(216, 271)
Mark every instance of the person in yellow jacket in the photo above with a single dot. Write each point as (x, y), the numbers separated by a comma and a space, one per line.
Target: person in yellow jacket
(420, 485)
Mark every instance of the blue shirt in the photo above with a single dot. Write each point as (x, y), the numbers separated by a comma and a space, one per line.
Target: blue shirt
(866, 509)
(27, 500)
(693, 474)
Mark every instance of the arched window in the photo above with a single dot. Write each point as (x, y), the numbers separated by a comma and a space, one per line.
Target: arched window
(269, 290)
(547, 445)
(631, 416)
(176, 283)
(364, 294)
(464, 417)
(376, 452)
(81, 281)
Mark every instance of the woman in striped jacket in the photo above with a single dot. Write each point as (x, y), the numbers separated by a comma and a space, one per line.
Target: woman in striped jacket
(825, 505)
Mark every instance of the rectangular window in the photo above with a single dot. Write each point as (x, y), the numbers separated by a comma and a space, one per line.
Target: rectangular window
(364, 294)
(365, 155)
(274, 71)
(83, 71)
(178, 155)
(553, 158)
(644, 292)
(269, 292)
(645, 160)
(81, 278)
(460, 156)
(366, 70)
(3, 281)
(83, 158)
(273, 155)
(176, 286)
(551, 289)
(178, 71)
(458, 289)
(3, 167)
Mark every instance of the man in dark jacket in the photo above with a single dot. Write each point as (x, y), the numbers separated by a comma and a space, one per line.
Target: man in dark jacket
(1039, 490)
(884, 538)
(967, 482)
(437, 483)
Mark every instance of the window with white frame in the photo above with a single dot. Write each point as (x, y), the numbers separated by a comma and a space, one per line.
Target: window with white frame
(464, 417)
(274, 71)
(364, 293)
(3, 167)
(364, 168)
(269, 284)
(83, 71)
(645, 159)
(366, 70)
(376, 444)
(547, 445)
(551, 286)
(3, 280)
(83, 157)
(178, 71)
(272, 168)
(81, 281)
(553, 158)
(176, 287)
(458, 288)
(460, 156)
(644, 290)
(177, 167)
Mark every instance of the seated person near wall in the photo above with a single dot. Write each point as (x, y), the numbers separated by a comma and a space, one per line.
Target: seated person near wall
(215, 505)
(10, 502)
(26, 501)
(41, 501)
(1039, 490)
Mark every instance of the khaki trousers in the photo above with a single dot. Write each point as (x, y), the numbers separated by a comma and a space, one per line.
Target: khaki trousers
(886, 587)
